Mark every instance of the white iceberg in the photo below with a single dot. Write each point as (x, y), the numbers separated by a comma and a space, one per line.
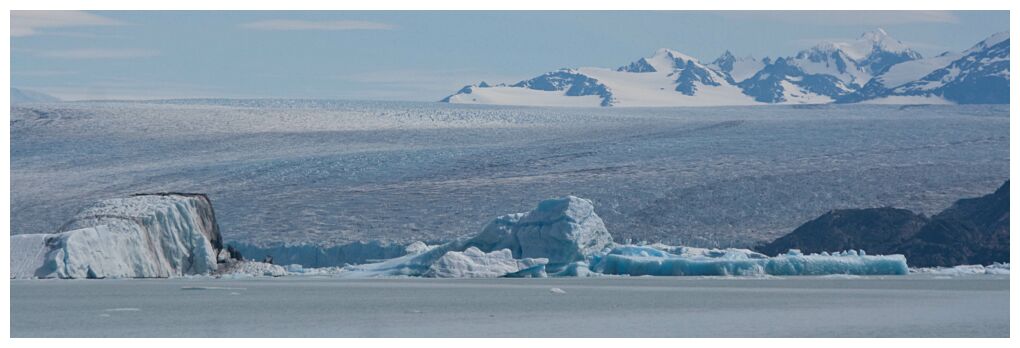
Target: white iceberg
(143, 236)
(474, 263)
(555, 234)
(562, 230)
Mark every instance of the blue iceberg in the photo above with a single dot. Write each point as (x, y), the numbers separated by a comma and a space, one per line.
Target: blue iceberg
(638, 261)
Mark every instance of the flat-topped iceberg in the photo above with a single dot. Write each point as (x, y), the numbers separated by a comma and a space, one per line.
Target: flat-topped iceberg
(143, 236)
(637, 261)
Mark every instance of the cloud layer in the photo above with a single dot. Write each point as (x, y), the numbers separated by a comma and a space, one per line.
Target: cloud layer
(289, 24)
(857, 18)
(28, 23)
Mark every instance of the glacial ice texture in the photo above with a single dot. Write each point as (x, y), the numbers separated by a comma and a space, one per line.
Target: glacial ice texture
(139, 237)
(326, 173)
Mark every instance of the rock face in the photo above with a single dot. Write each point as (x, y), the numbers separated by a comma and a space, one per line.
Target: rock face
(143, 236)
(972, 231)
(877, 230)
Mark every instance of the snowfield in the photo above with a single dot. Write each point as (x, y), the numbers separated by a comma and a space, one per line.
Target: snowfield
(328, 173)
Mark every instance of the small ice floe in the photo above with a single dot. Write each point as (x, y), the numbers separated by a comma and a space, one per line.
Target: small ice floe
(557, 291)
(125, 309)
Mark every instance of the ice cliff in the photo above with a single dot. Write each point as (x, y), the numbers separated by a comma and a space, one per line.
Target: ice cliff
(142, 236)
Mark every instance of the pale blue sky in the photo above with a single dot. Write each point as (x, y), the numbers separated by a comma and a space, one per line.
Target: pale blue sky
(410, 55)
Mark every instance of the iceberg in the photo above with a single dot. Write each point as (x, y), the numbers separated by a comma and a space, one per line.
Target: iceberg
(551, 237)
(638, 261)
(142, 236)
(474, 263)
(563, 230)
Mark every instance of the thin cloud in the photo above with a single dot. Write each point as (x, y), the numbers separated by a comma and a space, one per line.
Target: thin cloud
(289, 24)
(28, 23)
(916, 45)
(97, 53)
(843, 18)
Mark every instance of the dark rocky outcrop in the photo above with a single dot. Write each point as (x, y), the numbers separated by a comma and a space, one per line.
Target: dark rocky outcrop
(971, 231)
(876, 230)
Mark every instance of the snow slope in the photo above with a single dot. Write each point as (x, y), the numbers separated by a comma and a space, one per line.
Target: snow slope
(144, 236)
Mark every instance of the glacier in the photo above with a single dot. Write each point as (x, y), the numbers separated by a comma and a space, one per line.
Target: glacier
(142, 236)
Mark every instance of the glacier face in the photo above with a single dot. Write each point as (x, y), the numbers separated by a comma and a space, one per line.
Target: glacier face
(143, 236)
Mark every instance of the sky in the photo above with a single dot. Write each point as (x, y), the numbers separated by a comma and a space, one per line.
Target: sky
(414, 56)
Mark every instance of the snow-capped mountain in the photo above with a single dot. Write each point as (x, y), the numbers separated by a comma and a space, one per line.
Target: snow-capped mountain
(979, 75)
(737, 69)
(28, 96)
(875, 67)
(829, 70)
(666, 78)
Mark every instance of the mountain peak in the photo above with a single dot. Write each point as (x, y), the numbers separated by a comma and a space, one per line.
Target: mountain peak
(992, 40)
(874, 35)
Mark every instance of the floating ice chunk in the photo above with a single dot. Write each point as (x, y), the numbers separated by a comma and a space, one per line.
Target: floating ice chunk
(447, 262)
(564, 230)
(417, 247)
(498, 234)
(557, 291)
(622, 260)
(474, 263)
(555, 234)
(144, 236)
(993, 269)
(576, 269)
(240, 269)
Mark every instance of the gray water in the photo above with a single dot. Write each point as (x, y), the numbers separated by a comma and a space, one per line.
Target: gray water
(910, 306)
